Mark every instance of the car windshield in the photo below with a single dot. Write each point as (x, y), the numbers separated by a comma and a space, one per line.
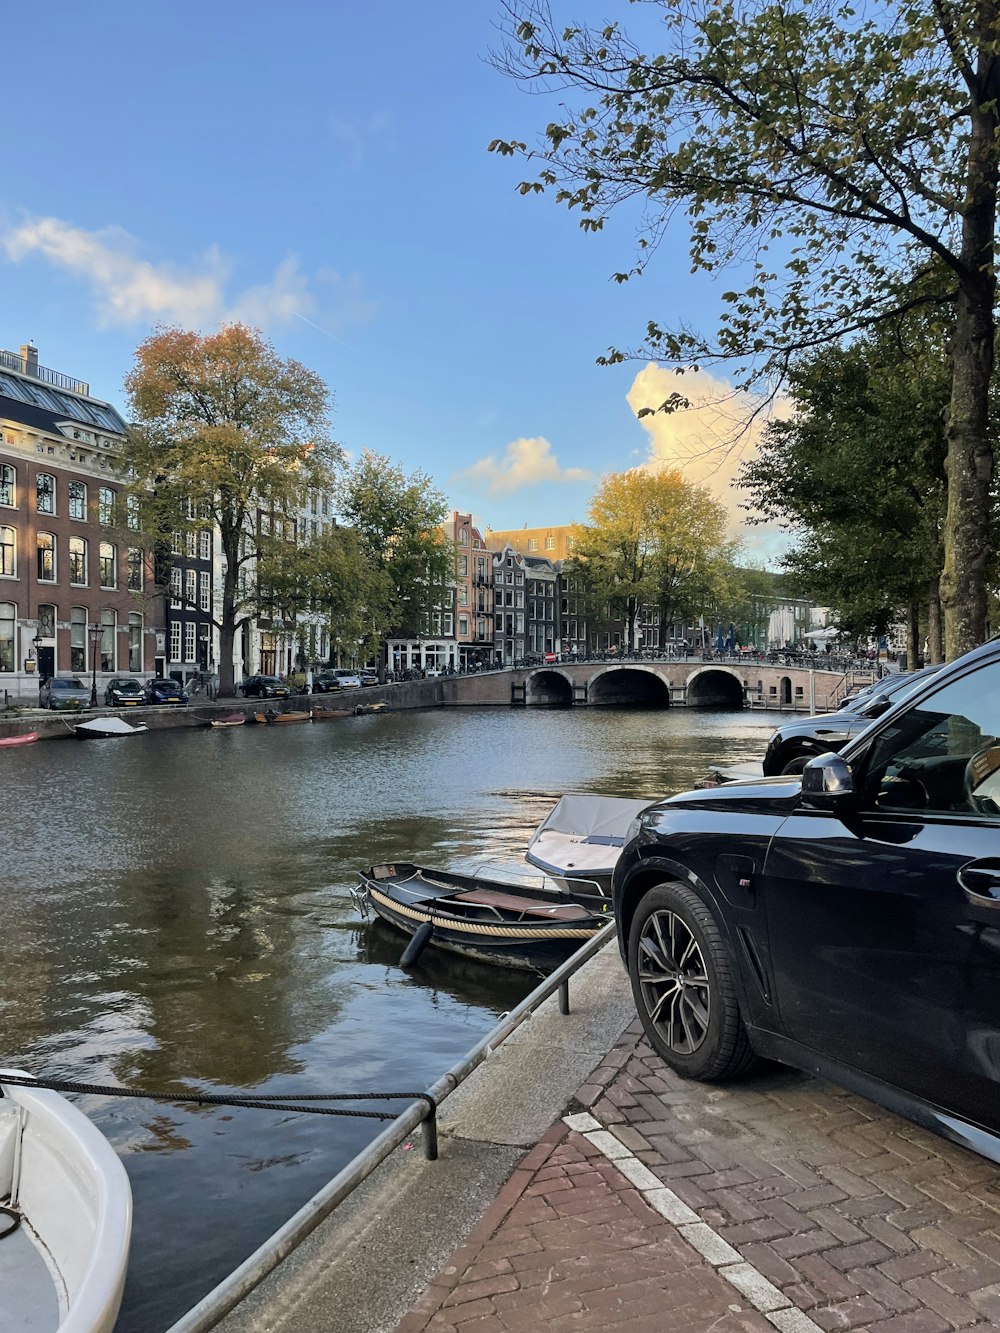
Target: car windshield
(165, 685)
(125, 685)
(68, 685)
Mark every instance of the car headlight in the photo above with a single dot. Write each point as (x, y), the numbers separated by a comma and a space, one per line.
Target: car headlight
(633, 829)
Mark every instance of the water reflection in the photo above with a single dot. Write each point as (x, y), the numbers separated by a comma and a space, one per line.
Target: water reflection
(178, 915)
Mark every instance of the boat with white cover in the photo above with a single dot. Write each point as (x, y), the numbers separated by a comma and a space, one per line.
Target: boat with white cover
(65, 1217)
(108, 728)
(581, 838)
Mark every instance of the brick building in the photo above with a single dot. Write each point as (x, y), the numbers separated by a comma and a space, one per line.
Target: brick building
(77, 593)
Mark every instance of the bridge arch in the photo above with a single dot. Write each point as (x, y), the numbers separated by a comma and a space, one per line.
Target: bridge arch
(624, 685)
(715, 687)
(548, 687)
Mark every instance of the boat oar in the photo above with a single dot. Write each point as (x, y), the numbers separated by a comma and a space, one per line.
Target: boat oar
(419, 942)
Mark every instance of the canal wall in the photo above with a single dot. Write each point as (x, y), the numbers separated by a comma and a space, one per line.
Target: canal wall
(584, 684)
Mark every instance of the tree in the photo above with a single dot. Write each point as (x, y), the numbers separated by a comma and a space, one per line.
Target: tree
(397, 518)
(857, 472)
(846, 162)
(653, 539)
(224, 430)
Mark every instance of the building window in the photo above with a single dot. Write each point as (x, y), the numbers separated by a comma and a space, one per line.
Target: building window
(8, 490)
(189, 649)
(134, 569)
(192, 544)
(77, 560)
(463, 626)
(175, 592)
(132, 512)
(8, 552)
(175, 641)
(106, 560)
(105, 506)
(134, 641)
(205, 539)
(205, 600)
(46, 557)
(191, 587)
(464, 537)
(78, 638)
(532, 543)
(45, 493)
(176, 542)
(77, 493)
(107, 641)
(8, 612)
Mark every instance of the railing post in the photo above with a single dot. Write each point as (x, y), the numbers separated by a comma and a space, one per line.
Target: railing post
(429, 1134)
(564, 996)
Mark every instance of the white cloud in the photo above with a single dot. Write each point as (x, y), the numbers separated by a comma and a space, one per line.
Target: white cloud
(524, 462)
(708, 441)
(129, 290)
(355, 137)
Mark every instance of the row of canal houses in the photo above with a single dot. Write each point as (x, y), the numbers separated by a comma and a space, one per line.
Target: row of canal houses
(79, 593)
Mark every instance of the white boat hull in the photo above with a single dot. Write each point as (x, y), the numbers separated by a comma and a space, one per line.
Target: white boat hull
(64, 1270)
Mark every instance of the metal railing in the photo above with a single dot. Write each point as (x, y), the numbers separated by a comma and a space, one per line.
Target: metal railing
(31, 369)
(264, 1260)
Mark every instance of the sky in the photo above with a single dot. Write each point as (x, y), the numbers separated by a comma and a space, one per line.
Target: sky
(321, 171)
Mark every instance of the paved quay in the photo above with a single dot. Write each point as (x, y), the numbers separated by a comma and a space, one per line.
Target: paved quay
(647, 1202)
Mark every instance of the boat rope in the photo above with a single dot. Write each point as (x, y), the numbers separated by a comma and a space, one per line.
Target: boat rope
(261, 1102)
(10, 1220)
(545, 932)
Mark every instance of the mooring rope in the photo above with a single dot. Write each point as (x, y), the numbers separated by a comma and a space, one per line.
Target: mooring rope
(261, 1102)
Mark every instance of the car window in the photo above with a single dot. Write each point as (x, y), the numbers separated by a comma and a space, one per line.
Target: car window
(943, 756)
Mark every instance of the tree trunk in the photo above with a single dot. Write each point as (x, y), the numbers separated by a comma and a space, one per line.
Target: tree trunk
(970, 453)
(913, 638)
(935, 652)
(227, 633)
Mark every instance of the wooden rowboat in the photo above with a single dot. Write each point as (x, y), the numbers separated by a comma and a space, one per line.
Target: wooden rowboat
(65, 1217)
(228, 720)
(331, 714)
(282, 718)
(26, 738)
(530, 928)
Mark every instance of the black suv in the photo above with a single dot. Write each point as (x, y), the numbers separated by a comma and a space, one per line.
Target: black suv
(846, 922)
(803, 738)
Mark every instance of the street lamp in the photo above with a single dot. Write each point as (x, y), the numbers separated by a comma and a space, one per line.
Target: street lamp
(95, 631)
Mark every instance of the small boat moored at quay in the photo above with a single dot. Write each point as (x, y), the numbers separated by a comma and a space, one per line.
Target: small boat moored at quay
(65, 1217)
(108, 728)
(331, 714)
(580, 840)
(270, 718)
(26, 738)
(517, 926)
(228, 720)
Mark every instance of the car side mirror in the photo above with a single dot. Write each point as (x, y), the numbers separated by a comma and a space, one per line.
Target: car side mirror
(827, 782)
(877, 708)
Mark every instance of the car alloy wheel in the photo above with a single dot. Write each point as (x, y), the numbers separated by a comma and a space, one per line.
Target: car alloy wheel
(675, 990)
(684, 985)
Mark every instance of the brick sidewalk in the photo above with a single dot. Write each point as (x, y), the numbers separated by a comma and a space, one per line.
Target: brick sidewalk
(812, 1205)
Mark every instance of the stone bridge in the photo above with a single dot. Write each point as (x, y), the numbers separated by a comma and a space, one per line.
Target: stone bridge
(687, 684)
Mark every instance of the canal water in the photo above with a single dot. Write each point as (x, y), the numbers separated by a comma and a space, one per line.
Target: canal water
(177, 915)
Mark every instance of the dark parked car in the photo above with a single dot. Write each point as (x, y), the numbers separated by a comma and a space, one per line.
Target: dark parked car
(265, 687)
(337, 678)
(124, 692)
(63, 692)
(797, 741)
(847, 922)
(163, 690)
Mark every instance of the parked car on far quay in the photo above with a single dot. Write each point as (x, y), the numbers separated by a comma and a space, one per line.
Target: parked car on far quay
(124, 692)
(844, 922)
(163, 690)
(337, 678)
(264, 687)
(367, 676)
(803, 738)
(63, 692)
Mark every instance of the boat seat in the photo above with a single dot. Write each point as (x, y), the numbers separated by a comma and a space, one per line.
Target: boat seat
(509, 902)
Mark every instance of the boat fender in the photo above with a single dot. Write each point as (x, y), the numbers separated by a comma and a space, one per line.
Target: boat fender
(9, 1221)
(419, 942)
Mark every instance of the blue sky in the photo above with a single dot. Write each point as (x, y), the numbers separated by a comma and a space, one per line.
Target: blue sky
(321, 169)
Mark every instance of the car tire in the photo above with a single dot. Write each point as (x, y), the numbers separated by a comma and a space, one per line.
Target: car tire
(794, 766)
(696, 1027)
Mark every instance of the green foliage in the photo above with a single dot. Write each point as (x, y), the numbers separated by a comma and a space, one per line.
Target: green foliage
(223, 429)
(397, 519)
(857, 473)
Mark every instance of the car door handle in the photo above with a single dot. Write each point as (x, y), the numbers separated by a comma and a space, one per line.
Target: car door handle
(980, 881)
